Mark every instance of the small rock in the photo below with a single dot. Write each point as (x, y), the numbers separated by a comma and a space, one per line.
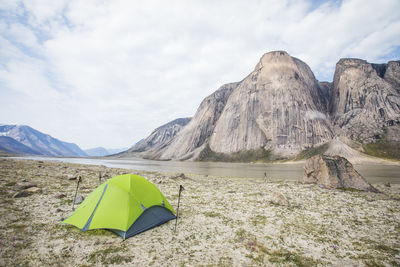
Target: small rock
(60, 195)
(24, 180)
(20, 194)
(387, 184)
(22, 186)
(279, 199)
(79, 199)
(71, 177)
(33, 190)
(59, 210)
(182, 175)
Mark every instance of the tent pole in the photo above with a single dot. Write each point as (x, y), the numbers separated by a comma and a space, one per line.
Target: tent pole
(76, 191)
(177, 210)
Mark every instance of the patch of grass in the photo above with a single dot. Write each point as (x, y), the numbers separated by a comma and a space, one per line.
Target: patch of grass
(350, 189)
(259, 251)
(225, 261)
(242, 156)
(107, 256)
(313, 151)
(65, 201)
(284, 256)
(387, 249)
(212, 214)
(259, 219)
(383, 149)
(11, 183)
(99, 232)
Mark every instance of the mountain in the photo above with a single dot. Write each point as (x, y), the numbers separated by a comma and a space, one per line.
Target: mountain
(193, 138)
(97, 152)
(38, 143)
(116, 150)
(366, 105)
(10, 145)
(101, 151)
(281, 111)
(157, 140)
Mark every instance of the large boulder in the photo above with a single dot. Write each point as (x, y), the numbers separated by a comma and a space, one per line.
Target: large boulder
(334, 172)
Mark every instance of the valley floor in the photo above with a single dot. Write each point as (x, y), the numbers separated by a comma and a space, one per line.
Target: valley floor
(224, 222)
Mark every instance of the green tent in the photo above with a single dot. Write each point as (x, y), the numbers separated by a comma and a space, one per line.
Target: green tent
(125, 204)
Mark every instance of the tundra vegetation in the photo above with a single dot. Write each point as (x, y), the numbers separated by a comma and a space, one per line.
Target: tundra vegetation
(224, 222)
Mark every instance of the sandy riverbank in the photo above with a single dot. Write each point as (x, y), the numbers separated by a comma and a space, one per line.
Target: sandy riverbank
(225, 221)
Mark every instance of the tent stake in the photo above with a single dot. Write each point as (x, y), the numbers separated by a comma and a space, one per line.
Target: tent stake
(76, 191)
(177, 210)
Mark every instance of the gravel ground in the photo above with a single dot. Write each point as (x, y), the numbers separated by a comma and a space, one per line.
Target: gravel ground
(224, 222)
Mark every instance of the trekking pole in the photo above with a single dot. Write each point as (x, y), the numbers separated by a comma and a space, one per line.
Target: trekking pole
(76, 191)
(177, 210)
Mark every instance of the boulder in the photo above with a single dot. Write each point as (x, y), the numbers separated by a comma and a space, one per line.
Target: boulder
(79, 199)
(60, 195)
(334, 172)
(27, 192)
(279, 199)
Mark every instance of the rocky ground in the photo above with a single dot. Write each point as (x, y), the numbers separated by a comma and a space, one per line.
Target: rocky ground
(224, 222)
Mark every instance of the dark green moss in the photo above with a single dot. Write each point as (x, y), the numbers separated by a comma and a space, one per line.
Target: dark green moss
(313, 151)
(108, 256)
(285, 256)
(242, 156)
(383, 149)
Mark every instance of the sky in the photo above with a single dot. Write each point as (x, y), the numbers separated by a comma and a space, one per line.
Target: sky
(106, 73)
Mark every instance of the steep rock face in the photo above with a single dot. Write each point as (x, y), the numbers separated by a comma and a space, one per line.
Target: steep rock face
(325, 89)
(193, 138)
(159, 138)
(392, 74)
(366, 106)
(277, 107)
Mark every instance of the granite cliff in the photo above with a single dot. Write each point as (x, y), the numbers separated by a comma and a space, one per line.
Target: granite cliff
(280, 110)
(365, 105)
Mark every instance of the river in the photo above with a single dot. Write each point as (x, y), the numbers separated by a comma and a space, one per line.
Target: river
(374, 173)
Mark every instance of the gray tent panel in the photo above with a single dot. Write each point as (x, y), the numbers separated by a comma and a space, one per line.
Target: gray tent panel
(150, 218)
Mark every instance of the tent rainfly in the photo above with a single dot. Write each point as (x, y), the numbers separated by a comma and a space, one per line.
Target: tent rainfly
(125, 204)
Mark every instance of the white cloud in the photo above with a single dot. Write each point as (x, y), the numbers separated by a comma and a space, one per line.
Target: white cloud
(109, 72)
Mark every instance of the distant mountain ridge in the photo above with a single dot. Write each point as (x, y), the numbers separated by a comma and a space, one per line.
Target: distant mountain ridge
(280, 110)
(101, 151)
(158, 139)
(22, 139)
